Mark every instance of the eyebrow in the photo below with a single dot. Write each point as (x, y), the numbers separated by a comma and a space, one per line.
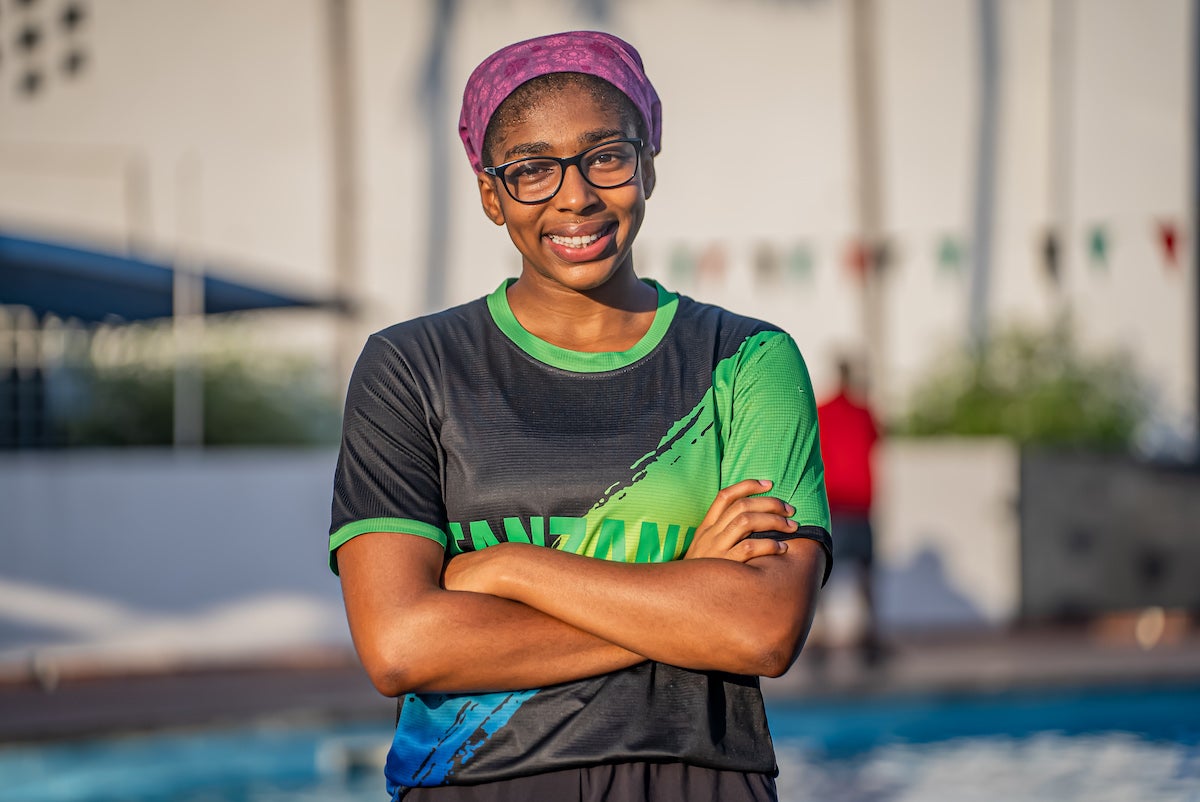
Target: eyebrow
(592, 137)
(526, 149)
(540, 148)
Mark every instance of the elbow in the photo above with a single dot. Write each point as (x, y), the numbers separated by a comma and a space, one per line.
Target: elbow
(399, 664)
(775, 659)
(387, 685)
(776, 662)
(770, 653)
(391, 675)
(409, 674)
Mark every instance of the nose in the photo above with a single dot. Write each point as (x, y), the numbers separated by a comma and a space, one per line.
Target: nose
(575, 194)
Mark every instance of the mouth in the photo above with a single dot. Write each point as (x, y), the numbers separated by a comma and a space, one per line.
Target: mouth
(573, 242)
(584, 245)
(580, 241)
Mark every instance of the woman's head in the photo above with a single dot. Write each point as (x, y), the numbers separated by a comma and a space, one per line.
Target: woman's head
(547, 64)
(571, 189)
(534, 110)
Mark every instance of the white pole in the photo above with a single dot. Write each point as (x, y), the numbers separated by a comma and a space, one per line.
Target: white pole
(188, 307)
(985, 173)
(343, 163)
(868, 181)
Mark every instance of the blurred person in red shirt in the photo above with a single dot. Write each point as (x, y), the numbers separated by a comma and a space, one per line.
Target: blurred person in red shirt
(848, 436)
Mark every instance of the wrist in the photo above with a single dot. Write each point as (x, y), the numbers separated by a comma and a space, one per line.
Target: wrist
(501, 574)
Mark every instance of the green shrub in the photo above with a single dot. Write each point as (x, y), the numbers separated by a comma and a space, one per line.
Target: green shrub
(269, 405)
(1035, 387)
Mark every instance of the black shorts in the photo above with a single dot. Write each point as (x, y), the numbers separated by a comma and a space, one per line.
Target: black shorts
(853, 539)
(624, 782)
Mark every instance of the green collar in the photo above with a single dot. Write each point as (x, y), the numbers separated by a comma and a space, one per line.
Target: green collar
(582, 361)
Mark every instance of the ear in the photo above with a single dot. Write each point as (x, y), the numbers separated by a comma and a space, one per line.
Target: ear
(490, 198)
(648, 177)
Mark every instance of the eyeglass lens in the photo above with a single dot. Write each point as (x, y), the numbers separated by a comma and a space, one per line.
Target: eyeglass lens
(604, 166)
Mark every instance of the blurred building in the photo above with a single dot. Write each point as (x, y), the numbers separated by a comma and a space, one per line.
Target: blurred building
(313, 142)
(889, 177)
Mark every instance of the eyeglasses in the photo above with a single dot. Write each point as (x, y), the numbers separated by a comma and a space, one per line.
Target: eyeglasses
(537, 179)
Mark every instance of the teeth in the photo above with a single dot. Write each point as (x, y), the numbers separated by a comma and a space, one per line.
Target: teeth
(573, 242)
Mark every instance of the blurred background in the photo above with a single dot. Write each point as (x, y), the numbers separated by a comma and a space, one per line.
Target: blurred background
(986, 207)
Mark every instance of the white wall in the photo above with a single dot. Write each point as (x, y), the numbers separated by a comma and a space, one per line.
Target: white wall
(949, 533)
(224, 106)
(147, 557)
(143, 557)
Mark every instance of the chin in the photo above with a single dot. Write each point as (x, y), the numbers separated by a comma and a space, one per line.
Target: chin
(592, 281)
(580, 277)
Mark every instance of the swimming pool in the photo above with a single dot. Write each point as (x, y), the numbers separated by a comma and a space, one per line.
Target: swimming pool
(1137, 744)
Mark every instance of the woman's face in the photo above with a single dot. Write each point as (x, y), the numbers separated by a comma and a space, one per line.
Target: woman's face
(583, 236)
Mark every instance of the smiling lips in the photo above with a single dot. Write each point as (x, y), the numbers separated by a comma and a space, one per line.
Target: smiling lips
(579, 241)
(573, 242)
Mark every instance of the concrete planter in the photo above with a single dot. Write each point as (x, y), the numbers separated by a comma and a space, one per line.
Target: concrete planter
(1101, 533)
(947, 532)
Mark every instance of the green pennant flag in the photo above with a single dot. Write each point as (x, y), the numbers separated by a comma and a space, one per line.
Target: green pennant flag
(950, 254)
(800, 263)
(682, 265)
(1098, 245)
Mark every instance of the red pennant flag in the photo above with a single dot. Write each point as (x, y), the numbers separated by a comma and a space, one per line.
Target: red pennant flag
(858, 258)
(1168, 238)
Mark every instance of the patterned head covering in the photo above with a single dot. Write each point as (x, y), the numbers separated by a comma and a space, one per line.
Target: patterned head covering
(591, 52)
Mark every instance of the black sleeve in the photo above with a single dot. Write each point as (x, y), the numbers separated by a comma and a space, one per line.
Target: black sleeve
(388, 476)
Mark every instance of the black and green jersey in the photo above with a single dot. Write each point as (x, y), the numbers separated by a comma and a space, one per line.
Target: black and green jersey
(464, 428)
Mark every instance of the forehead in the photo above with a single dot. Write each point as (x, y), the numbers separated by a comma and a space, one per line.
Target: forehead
(565, 118)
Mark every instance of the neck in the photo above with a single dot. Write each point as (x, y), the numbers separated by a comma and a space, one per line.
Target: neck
(611, 317)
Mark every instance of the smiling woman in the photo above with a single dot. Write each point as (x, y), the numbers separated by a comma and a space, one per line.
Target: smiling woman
(577, 519)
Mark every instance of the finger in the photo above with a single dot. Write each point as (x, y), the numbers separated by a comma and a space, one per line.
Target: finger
(728, 495)
(753, 504)
(739, 519)
(753, 548)
(743, 525)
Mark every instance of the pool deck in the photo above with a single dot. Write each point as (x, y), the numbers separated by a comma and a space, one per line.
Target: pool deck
(78, 701)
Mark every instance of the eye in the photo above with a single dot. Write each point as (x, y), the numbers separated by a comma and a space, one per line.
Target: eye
(532, 170)
(609, 158)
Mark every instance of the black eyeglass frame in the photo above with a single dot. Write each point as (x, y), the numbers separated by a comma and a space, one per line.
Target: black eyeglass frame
(577, 160)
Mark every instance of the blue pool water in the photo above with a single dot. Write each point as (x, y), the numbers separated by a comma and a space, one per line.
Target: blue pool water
(1137, 744)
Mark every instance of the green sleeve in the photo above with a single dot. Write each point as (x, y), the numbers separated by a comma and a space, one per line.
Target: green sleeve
(772, 432)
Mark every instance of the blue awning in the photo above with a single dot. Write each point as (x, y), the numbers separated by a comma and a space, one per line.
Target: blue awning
(93, 286)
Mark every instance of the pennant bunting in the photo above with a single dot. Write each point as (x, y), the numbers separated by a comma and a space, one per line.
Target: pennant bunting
(857, 259)
(1098, 247)
(883, 254)
(800, 263)
(681, 265)
(711, 264)
(950, 254)
(1051, 256)
(767, 263)
(1168, 240)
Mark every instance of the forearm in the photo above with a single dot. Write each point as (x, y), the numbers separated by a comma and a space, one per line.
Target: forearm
(707, 614)
(457, 641)
(412, 635)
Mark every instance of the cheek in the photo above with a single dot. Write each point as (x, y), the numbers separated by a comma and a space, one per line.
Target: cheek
(522, 229)
(637, 209)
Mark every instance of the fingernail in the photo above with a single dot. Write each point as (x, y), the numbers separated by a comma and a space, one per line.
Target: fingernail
(764, 482)
(793, 523)
(790, 509)
(782, 545)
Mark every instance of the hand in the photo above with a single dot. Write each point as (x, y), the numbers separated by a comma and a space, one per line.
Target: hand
(474, 571)
(734, 516)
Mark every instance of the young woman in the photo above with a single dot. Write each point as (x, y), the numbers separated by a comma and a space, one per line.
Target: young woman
(577, 519)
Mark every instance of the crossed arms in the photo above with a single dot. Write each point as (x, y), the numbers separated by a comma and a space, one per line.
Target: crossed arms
(516, 616)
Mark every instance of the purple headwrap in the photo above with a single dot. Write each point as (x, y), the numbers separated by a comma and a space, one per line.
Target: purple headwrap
(591, 52)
